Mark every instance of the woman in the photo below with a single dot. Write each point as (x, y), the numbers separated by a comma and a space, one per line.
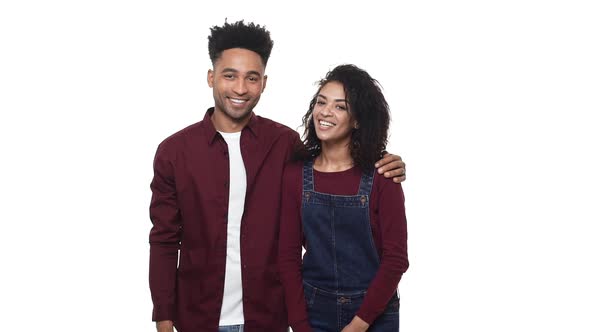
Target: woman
(351, 222)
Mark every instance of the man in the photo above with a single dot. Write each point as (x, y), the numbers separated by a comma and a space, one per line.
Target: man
(216, 198)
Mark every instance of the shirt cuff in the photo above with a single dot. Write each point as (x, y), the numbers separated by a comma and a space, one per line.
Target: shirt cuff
(164, 312)
(367, 316)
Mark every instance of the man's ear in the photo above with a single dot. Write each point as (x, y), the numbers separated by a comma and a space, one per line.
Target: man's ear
(264, 83)
(210, 74)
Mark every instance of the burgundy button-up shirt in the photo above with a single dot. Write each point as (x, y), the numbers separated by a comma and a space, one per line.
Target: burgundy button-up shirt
(190, 194)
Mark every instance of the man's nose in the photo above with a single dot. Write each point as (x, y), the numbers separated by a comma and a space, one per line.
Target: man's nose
(240, 87)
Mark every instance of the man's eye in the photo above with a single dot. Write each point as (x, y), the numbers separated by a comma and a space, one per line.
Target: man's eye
(230, 76)
(252, 79)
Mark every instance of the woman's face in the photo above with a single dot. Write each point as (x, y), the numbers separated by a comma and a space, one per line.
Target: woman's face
(331, 114)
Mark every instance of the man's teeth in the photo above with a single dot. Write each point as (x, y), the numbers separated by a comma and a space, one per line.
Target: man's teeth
(237, 101)
(326, 124)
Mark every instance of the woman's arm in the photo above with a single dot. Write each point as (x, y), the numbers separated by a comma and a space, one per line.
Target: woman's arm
(391, 221)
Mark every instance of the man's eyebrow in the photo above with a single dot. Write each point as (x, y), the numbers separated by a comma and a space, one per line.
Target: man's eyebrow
(253, 72)
(233, 70)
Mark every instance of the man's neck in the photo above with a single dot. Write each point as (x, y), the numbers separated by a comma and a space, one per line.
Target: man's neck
(225, 124)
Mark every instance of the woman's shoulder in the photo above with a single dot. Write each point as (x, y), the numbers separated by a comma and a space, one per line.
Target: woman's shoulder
(381, 184)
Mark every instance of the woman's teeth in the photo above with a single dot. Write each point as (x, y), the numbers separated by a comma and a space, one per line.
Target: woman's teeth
(326, 124)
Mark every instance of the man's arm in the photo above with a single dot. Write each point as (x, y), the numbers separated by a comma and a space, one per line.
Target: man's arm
(165, 238)
(289, 254)
(392, 166)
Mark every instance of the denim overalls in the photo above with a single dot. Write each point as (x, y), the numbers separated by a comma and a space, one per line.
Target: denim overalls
(340, 260)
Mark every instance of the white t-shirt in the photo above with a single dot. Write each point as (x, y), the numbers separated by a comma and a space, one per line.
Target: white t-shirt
(232, 312)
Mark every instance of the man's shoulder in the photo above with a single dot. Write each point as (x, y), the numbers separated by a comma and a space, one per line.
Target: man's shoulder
(277, 135)
(293, 168)
(189, 132)
(274, 128)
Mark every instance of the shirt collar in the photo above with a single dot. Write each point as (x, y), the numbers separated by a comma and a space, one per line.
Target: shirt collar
(210, 132)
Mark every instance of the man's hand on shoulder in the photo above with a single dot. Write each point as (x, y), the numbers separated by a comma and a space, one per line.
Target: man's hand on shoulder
(392, 166)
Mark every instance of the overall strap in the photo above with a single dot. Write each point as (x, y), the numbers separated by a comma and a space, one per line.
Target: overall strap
(308, 176)
(366, 184)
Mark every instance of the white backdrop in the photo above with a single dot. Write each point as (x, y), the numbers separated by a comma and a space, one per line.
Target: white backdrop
(488, 99)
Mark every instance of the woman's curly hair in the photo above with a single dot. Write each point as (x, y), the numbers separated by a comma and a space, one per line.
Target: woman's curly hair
(367, 106)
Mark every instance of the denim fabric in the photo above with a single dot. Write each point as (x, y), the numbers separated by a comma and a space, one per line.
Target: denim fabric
(341, 259)
(231, 328)
(331, 312)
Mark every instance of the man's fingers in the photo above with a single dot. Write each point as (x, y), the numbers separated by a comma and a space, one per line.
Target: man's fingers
(396, 166)
(399, 179)
(387, 158)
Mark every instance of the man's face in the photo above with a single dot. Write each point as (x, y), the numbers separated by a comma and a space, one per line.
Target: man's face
(237, 80)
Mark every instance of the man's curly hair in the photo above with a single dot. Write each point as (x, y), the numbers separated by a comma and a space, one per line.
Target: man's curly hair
(368, 107)
(249, 36)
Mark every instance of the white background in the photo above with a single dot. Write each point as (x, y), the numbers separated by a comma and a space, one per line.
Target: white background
(489, 101)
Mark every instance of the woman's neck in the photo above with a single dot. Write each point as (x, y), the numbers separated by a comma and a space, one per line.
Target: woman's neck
(333, 158)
